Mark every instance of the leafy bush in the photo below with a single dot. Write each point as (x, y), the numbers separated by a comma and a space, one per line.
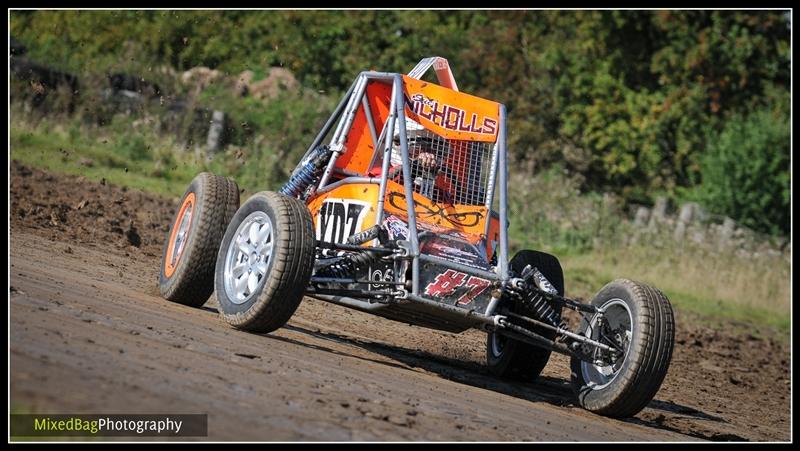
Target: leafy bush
(135, 148)
(745, 173)
(548, 212)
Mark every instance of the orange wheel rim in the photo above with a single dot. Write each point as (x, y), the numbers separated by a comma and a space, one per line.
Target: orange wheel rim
(179, 235)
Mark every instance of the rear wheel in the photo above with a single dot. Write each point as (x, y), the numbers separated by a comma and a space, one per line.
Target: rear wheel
(510, 358)
(638, 320)
(190, 251)
(265, 262)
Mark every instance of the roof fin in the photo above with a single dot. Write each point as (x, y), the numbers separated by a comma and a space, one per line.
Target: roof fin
(440, 66)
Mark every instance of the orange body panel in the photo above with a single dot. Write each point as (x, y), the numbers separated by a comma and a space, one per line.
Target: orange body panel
(358, 145)
(352, 209)
(451, 114)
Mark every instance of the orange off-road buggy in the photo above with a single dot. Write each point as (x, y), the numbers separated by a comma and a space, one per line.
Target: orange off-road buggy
(400, 210)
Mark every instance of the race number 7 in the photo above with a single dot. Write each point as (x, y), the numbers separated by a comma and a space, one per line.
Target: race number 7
(447, 282)
(476, 286)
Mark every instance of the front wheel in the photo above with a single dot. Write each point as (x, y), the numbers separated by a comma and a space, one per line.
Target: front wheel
(638, 321)
(515, 359)
(190, 251)
(264, 262)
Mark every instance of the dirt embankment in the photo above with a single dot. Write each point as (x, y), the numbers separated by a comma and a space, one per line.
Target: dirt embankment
(90, 334)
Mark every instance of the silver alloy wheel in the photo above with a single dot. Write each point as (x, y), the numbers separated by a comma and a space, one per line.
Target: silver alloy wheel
(248, 257)
(180, 237)
(618, 316)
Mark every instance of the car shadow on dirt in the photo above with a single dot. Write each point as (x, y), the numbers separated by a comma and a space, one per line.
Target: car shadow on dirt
(677, 411)
(546, 389)
(554, 391)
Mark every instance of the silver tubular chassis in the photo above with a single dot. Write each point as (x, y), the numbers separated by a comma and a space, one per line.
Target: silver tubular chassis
(400, 298)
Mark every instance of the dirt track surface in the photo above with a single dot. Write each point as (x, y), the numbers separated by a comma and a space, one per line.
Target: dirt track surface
(89, 334)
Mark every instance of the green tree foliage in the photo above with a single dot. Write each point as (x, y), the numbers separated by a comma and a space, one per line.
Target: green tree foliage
(746, 171)
(639, 90)
(627, 101)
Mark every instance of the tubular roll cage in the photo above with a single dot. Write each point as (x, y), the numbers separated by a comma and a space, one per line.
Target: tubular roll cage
(345, 113)
(346, 110)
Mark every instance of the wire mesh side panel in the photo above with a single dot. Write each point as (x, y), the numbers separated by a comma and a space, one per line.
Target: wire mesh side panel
(443, 170)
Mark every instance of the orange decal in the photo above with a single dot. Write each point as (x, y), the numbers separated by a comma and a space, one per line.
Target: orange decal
(466, 219)
(469, 220)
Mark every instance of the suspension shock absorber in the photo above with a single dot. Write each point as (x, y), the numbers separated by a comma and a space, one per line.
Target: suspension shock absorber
(376, 231)
(307, 172)
(534, 300)
(342, 268)
(542, 309)
(346, 266)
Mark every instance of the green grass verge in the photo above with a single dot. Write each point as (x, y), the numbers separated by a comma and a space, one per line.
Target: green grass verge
(98, 158)
(583, 282)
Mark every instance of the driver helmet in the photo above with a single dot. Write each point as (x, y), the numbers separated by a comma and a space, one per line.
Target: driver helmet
(416, 135)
